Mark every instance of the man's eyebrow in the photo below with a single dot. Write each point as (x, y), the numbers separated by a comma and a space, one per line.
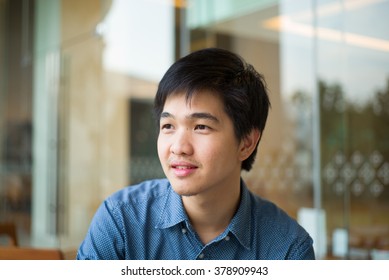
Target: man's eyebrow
(199, 115)
(166, 115)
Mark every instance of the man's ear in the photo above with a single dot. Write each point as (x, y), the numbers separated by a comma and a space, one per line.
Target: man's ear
(249, 143)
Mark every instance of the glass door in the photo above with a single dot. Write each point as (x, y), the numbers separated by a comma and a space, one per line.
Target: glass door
(353, 78)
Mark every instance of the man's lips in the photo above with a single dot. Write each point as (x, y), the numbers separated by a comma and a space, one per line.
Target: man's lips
(182, 165)
(182, 168)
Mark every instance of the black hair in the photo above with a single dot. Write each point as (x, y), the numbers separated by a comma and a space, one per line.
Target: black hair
(241, 88)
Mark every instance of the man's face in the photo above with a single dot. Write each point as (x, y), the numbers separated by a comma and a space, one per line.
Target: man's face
(197, 146)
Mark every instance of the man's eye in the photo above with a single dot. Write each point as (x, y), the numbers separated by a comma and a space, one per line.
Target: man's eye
(166, 126)
(202, 127)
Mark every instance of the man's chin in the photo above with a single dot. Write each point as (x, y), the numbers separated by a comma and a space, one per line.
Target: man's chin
(183, 190)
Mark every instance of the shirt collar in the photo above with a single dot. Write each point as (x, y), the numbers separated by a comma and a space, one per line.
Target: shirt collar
(240, 224)
(173, 211)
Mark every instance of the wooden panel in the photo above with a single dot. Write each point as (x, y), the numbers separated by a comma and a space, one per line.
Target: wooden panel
(20, 253)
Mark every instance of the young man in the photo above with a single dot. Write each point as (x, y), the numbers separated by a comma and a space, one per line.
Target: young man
(211, 108)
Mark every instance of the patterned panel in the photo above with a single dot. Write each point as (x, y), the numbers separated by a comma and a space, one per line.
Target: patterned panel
(360, 172)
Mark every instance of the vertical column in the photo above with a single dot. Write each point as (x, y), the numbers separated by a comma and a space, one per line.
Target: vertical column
(45, 94)
(316, 146)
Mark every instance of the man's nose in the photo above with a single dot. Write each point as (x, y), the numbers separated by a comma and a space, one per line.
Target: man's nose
(182, 143)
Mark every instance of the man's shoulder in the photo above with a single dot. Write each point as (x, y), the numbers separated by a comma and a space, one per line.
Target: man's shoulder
(141, 192)
(270, 214)
(266, 207)
(281, 235)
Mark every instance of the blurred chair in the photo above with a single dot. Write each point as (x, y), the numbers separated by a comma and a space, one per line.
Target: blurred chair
(24, 253)
(9, 230)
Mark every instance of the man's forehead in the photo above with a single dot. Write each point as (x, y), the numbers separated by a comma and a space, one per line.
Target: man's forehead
(194, 95)
(202, 105)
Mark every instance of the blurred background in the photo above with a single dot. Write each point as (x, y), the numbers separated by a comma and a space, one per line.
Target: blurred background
(77, 81)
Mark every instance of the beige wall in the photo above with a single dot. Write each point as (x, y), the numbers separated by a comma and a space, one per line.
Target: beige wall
(93, 120)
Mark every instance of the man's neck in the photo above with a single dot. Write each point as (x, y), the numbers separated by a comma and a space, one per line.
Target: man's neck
(211, 214)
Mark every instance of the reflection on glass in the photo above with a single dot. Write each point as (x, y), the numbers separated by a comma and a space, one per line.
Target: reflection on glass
(351, 59)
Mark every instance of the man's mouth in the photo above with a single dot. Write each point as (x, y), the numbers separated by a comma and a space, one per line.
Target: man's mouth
(183, 169)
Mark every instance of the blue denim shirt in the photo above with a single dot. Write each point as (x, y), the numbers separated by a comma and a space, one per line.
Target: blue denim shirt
(148, 221)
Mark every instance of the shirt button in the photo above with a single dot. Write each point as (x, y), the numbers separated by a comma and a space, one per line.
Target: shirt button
(227, 238)
(201, 256)
(184, 230)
